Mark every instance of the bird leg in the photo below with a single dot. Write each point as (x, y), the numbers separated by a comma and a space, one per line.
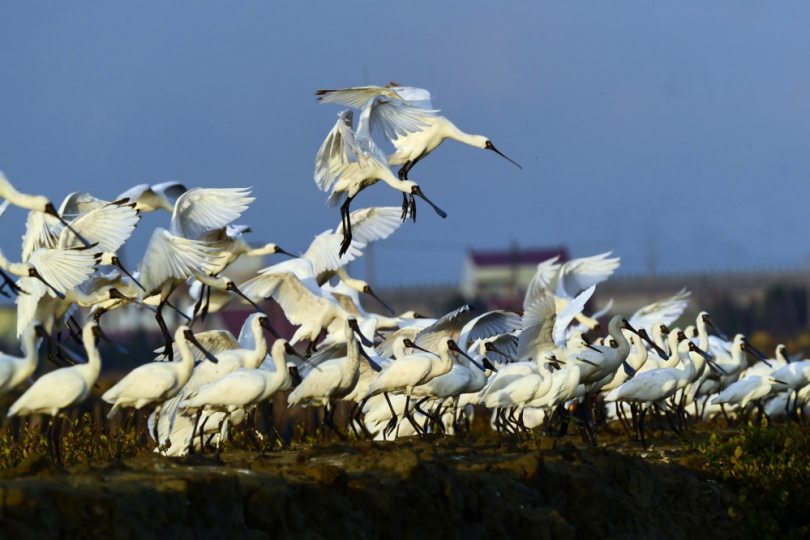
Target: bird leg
(219, 432)
(168, 352)
(728, 422)
(672, 423)
(347, 227)
(328, 421)
(412, 206)
(202, 434)
(254, 439)
(156, 431)
(361, 422)
(623, 419)
(394, 419)
(197, 307)
(641, 427)
(193, 432)
(75, 333)
(410, 418)
(207, 302)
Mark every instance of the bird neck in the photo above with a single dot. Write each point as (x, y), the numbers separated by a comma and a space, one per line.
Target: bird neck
(624, 345)
(93, 357)
(452, 132)
(260, 350)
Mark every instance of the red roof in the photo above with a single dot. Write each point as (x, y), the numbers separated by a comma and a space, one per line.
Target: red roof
(523, 256)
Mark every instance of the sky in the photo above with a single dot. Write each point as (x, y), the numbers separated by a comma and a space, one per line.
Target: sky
(676, 134)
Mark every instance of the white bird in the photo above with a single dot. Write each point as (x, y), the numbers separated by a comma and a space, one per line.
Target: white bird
(14, 370)
(242, 389)
(412, 146)
(350, 161)
(157, 381)
(63, 388)
(292, 284)
(333, 379)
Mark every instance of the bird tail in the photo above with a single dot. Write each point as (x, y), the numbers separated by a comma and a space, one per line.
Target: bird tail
(613, 395)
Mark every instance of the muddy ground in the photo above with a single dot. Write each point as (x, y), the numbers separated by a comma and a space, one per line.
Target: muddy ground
(431, 488)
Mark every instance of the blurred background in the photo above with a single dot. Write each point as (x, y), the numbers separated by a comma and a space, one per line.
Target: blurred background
(675, 134)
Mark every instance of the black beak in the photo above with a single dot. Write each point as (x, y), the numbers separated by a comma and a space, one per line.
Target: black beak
(719, 333)
(265, 323)
(454, 347)
(289, 349)
(235, 289)
(374, 365)
(354, 326)
(190, 337)
(416, 190)
(489, 366)
(411, 345)
(295, 375)
(628, 369)
(759, 354)
(115, 293)
(589, 346)
(287, 253)
(120, 266)
(490, 146)
(586, 361)
(377, 298)
(37, 275)
(490, 347)
(646, 338)
(777, 381)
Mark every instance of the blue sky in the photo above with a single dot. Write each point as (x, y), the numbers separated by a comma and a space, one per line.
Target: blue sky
(673, 132)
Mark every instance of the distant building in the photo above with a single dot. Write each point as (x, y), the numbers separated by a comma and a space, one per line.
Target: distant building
(501, 277)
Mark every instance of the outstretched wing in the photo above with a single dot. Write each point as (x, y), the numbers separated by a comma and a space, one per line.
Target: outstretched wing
(172, 257)
(199, 210)
(490, 324)
(109, 226)
(664, 311)
(372, 224)
(541, 281)
(355, 97)
(568, 313)
(392, 118)
(296, 300)
(64, 269)
(537, 335)
(41, 231)
(578, 274)
(324, 249)
(449, 325)
(79, 203)
(338, 150)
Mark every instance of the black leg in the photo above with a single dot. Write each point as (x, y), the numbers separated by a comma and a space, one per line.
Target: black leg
(347, 227)
(168, 352)
(207, 303)
(193, 433)
(394, 419)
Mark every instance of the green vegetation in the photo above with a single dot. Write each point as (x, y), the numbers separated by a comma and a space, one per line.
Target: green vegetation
(768, 469)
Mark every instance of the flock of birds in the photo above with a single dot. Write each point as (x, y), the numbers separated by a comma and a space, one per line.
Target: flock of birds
(404, 375)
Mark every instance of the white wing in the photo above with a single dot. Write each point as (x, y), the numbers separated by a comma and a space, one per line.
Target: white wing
(27, 303)
(324, 249)
(579, 274)
(537, 335)
(296, 300)
(4, 206)
(392, 118)
(415, 96)
(539, 285)
(109, 226)
(568, 313)
(79, 203)
(355, 97)
(171, 257)
(662, 312)
(64, 269)
(490, 324)
(41, 230)
(338, 150)
(449, 325)
(199, 210)
(372, 224)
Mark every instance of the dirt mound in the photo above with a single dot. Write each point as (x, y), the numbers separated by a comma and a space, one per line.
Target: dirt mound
(412, 489)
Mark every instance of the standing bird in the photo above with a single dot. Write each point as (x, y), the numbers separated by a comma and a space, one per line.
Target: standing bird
(411, 147)
(156, 381)
(349, 161)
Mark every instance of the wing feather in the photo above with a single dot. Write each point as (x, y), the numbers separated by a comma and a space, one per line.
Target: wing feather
(541, 281)
(64, 269)
(578, 274)
(172, 257)
(109, 226)
(199, 210)
(537, 335)
(664, 311)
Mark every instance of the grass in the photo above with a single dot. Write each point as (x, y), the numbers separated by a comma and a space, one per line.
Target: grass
(768, 470)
